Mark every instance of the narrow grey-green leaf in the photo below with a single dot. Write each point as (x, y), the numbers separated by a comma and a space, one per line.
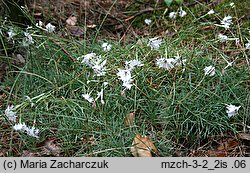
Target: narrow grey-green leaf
(168, 2)
(179, 1)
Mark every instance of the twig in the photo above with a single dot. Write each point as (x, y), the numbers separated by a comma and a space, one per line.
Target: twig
(140, 90)
(109, 15)
(127, 29)
(64, 50)
(234, 50)
(150, 9)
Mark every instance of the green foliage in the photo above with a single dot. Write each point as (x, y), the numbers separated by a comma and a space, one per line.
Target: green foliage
(170, 2)
(170, 105)
(179, 1)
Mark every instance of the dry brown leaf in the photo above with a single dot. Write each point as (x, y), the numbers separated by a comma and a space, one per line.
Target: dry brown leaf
(76, 31)
(142, 146)
(2, 70)
(130, 119)
(140, 43)
(207, 28)
(228, 144)
(244, 136)
(50, 147)
(71, 21)
(27, 153)
(19, 60)
(89, 140)
(3, 152)
(217, 2)
(217, 153)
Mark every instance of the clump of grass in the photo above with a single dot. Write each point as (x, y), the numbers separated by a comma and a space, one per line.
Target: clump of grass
(171, 105)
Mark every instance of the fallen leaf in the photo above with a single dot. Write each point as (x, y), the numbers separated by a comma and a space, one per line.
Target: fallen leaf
(2, 70)
(217, 153)
(119, 27)
(228, 144)
(130, 119)
(19, 60)
(76, 31)
(71, 21)
(140, 43)
(27, 153)
(3, 152)
(50, 147)
(244, 136)
(207, 28)
(142, 146)
(89, 140)
(217, 2)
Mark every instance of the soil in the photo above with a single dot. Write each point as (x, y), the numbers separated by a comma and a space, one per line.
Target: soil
(114, 17)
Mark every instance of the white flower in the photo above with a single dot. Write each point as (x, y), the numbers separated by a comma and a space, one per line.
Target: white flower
(29, 100)
(10, 114)
(106, 47)
(11, 34)
(31, 131)
(29, 27)
(247, 45)
(169, 63)
(127, 84)
(86, 59)
(130, 65)
(98, 65)
(173, 15)
(95, 62)
(182, 13)
(125, 76)
(226, 22)
(166, 63)
(209, 70)
(88, 98)
(210, 12)
(50, 28)
(20, 127)
(27, 40)
(232, 110)
(222, 38)
(105, 83)
(148, 21)
(39, 24)
(155, 42)
(179, 61)
(100, 94)
(99, 69)
(237, 41)
(232, 4)
(89, 58)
